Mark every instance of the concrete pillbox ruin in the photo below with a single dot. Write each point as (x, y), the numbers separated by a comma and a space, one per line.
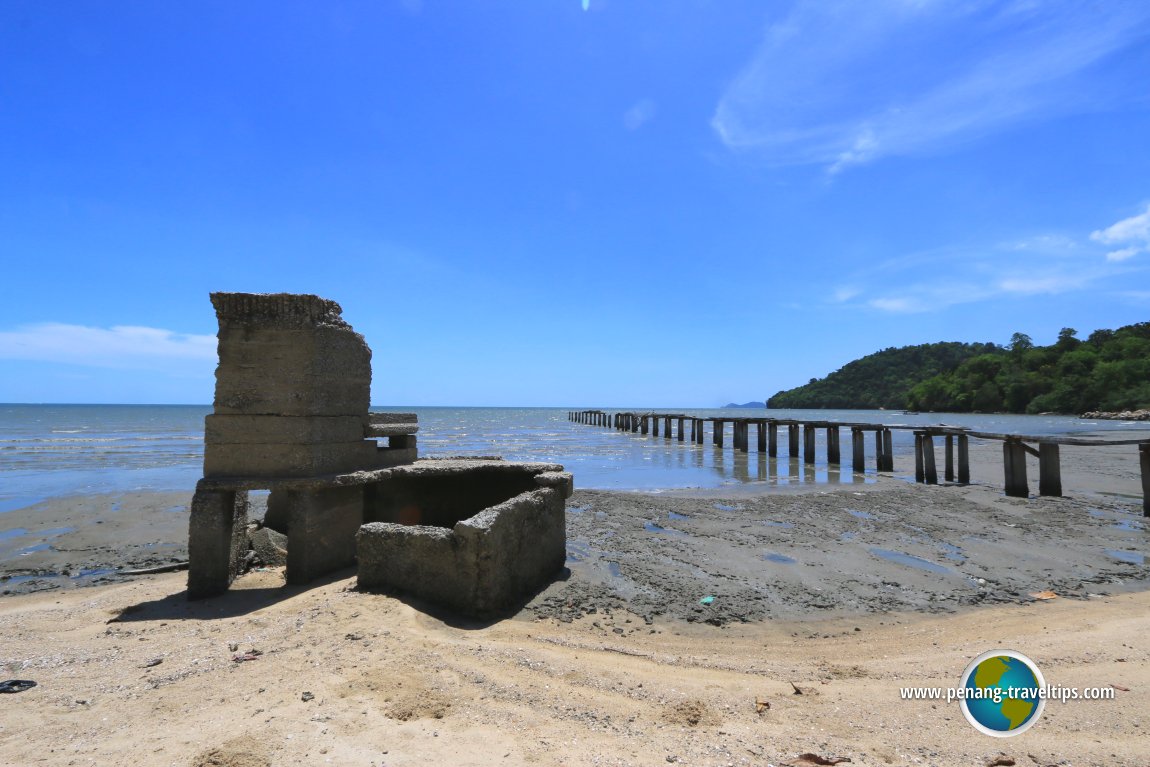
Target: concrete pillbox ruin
(291, 415)
(477, 536)
(293, 388)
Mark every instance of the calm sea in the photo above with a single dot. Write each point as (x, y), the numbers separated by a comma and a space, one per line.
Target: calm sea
(53, 450)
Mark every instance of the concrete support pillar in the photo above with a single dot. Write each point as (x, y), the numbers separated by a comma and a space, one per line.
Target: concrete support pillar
(217, 535)
(699, 437)
(646, 424)
(1014, 467)
(858, 450)
(808, 443)
(928, 459)
(679, 431)
(887, 450)
(833, 454)
(963, 459)
(772, 439)
(1144, 461)
(793, 439)
(694, 427)
(321, 530)
(919, 467)
(761, 445)
(717, 435)
(744, 436)
(949, 468)
(1049, 469)
(654, 426)
(667, 427)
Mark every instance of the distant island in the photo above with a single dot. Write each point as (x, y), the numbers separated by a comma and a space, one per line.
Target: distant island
(746, 404)
(1109, 371)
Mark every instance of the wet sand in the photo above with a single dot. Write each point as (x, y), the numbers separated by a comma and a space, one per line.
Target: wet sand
(761, 550)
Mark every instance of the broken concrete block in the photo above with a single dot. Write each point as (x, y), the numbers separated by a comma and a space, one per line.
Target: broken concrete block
(478, 537)
(270, 546)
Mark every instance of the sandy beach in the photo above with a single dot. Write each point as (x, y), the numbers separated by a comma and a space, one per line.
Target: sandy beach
(678, 634)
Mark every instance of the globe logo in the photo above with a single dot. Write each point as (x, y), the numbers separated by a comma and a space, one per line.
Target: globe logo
(1003, 693)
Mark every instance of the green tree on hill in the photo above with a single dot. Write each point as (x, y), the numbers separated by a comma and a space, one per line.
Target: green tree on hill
(1110, 370)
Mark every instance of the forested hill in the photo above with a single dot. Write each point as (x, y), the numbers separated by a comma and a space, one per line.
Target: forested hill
(1110, 370)
(880, 380)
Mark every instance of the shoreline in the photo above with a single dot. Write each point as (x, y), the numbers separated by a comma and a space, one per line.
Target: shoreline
(846, 544)
(846, 591)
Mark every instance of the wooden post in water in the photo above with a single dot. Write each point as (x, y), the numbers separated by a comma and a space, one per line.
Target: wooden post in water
(858, 450)
(963, 459)
(949, 458)
(928, 459)
(679, 433)
(808, 443)
(1049, 469)
(1014, 467)
(1144, 461)
(887, 450)
(793, 439)
(833, 454)
(646, 427)
(694, 423)
(719, 430)
(919, 466)
(667, 426)
(744, 436)
(772, 439)
(762, 435)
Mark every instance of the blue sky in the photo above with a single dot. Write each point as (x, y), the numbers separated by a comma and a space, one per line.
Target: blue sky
(680, 203)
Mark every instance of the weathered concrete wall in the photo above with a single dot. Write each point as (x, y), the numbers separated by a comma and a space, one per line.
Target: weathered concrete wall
(217, 537)
(478, 565)
(293, 387)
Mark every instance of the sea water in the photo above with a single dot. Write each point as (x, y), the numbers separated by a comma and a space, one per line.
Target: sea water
(53, 450)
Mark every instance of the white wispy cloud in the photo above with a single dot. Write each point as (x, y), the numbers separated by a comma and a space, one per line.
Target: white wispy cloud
(1133, 233)
(842, 82)
(121, 346)
(845, 293)
(1034, 265)
(640, 113)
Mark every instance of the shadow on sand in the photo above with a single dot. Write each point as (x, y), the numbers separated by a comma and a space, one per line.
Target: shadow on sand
(244, 601)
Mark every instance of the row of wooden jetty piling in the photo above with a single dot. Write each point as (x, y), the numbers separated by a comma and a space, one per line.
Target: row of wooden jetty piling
(956, 441)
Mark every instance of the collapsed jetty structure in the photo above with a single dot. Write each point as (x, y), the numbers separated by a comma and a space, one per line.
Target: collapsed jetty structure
(292, 416)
